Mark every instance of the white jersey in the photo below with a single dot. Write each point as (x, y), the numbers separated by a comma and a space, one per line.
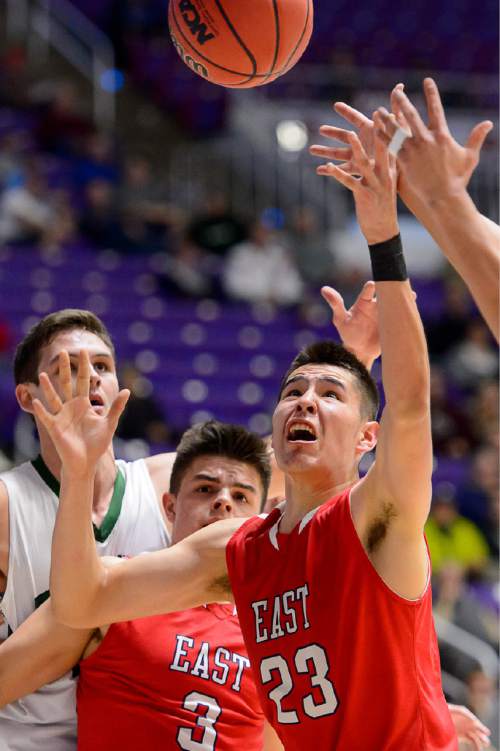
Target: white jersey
(46, 720)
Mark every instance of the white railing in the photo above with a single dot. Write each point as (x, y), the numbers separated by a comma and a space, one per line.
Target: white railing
(57, 24)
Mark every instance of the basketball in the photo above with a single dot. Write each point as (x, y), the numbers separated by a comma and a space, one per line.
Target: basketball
(240, 43)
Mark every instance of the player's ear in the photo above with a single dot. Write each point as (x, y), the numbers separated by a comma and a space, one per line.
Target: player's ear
(368, 437)
(168, 500)
(24, 397)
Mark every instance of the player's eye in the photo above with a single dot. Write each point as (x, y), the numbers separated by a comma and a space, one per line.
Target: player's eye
(331, 394)
(293, 392)
(240, 497)
(101, 366)
(204, 489)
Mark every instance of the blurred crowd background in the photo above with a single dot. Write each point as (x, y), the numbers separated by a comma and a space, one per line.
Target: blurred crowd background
(190, 219)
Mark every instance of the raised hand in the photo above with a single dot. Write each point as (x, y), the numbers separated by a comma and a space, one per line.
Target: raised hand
(374, 191)
(81, 435)
(469, 729)
(434, 165)
(358, 326)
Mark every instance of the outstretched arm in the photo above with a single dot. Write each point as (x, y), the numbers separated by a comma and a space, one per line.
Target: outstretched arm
(434, 173)
(85, 592)
(38, 652)
(397, 490)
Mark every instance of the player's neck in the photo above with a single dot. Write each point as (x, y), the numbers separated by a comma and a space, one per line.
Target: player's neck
(304, 493)
(105, 473)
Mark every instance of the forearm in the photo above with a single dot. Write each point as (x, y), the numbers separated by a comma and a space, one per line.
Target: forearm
(470, 242)
(76, 570)
(405, 364)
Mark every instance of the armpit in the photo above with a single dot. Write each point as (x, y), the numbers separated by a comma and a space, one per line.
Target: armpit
(379, 526)
(221, 587)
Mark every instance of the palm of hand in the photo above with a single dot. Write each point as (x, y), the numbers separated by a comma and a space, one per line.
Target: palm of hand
(79, 434)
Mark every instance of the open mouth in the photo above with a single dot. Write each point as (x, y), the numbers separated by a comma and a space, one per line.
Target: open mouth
(301, 431)
(96, 401)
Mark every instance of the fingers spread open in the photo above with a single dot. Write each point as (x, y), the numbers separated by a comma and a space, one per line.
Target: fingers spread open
(331, 170)
(335, 301)
(417, 126)
(381, 153)
(330, 152)
(117, 408)
(42, 414)
(355, 117)
(478, 135)
(52, 398)
(65, 376)
(435, 111)
(83, 375)
(340, 134)
(361, 160)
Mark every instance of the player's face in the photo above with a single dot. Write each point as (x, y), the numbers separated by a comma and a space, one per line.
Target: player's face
(317, 422)
(213, 488)
(103, 381)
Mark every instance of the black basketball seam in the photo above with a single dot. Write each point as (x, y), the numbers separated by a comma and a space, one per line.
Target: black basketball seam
(216, 65)
(277, 43)
(284, 69)
(238, 39)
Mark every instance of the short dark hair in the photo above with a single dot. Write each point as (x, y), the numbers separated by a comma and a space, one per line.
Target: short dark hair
(214, 438)
(27, 356)
(330, 353)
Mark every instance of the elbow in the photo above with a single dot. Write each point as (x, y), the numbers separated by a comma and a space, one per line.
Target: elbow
(69, 613)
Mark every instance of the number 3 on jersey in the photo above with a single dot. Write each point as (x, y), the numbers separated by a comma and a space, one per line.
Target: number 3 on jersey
(311, 660)
(196, 702)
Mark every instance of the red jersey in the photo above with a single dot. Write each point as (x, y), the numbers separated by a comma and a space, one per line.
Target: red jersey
(176, 681)
(342, 663)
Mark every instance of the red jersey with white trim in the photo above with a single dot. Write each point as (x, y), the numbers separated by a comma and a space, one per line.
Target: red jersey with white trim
(175, 681)
(342, 663)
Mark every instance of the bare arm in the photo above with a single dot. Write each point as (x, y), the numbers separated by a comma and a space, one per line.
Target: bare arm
(271, 740)
(38, 652)
(85, 592)
(434, 173)
(397, 490)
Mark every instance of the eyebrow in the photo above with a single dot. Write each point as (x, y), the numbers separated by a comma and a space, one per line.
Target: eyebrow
(210, 478)
(74, 355)
(328, 379)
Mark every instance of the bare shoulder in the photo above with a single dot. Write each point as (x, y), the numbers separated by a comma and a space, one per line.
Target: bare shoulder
(160, 469)
(4, 535)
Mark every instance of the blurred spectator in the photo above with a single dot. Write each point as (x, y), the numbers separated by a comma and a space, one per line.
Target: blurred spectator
(482, 699)
(478, 497)
(262, 270)
(451, 600)
(451, 429)
(62, 128)
(310, 248)
(100, 220)
(451, 537)
(484, 413)
(146, 213)
(217, 229)
(98, 161)
(63, 228)
(143, 417)
(474, 358)
(449, 330)
(11, 159)
(25, 211)
(187, 272)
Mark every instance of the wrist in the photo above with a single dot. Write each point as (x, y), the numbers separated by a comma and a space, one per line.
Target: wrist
(81, 475)
(387, 259)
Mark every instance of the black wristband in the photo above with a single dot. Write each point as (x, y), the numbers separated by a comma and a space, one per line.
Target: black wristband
(388, 261)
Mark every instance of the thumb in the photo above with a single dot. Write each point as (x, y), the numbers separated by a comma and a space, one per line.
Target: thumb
(335, 301)
(478, 135)
(367, 293)
(117, 408)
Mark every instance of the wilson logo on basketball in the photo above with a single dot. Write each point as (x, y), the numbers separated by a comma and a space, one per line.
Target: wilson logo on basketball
(194, 22)
(197, 67)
